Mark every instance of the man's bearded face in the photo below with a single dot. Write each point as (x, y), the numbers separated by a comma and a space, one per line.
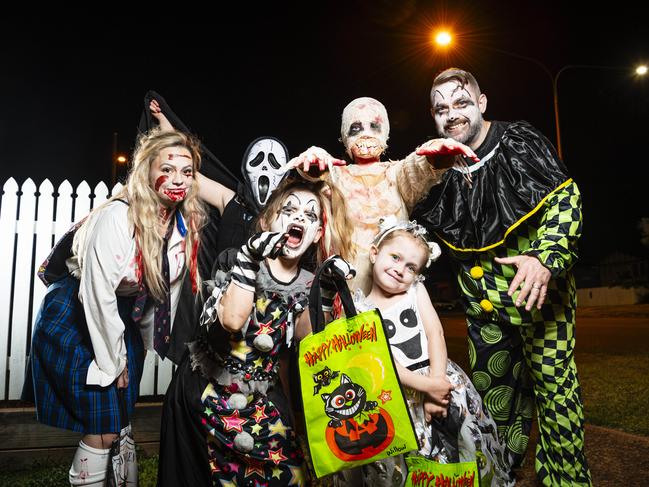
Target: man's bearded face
(365, 130)
(457, 112)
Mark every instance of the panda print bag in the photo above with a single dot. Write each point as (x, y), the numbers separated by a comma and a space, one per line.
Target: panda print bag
(354, 407)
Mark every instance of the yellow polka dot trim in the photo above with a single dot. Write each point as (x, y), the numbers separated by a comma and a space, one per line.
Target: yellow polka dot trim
(486, 305)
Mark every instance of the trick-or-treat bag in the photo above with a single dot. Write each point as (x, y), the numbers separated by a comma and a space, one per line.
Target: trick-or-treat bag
(122, 467)
(354, 408)
(423, 472)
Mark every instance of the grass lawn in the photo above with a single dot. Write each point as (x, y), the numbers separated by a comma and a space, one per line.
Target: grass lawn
(615, 388)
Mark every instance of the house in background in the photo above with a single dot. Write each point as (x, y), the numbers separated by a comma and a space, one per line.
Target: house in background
(618, 279)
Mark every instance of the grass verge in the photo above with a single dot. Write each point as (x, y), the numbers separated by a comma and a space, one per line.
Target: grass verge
(614, 387)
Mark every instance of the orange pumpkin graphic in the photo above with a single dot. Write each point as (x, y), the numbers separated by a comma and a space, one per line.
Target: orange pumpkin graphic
(353, 441)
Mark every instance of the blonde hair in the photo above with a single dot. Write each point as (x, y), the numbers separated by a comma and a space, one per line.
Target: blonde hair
(337, 229)
(143, 210)
(403, 233)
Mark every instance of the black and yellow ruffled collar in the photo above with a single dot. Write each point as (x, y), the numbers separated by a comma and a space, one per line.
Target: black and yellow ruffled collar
(518, 171)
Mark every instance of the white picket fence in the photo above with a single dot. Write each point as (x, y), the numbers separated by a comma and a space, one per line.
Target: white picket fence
(31, 221)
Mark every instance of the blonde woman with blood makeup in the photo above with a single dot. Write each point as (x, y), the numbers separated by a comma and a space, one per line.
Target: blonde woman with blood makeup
(117, 299)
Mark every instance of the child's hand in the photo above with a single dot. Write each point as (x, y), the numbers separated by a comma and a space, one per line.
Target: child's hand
(256, 249)
(432, 410)
(265, 244)
(334, 266)
(156, 111)
(439, 390)
(314, 159)
(445, 147)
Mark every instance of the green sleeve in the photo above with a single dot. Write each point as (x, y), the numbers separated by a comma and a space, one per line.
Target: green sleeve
(560, 228)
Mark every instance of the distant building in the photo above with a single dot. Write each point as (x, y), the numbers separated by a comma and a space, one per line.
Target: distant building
(618, 279)
(620, 269)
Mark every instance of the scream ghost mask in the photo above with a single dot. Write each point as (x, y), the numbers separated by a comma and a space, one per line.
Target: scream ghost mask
(365, 129)
(262, 167)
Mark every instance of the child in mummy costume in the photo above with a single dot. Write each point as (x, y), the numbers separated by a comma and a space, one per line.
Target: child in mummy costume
(220, 424)
(372, 187)
(450, 421)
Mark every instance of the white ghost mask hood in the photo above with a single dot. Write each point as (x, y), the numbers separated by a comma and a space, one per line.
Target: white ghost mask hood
(263, 169)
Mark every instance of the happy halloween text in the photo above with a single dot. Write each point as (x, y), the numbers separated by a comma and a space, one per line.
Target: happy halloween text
(338, 343)
(425, 479)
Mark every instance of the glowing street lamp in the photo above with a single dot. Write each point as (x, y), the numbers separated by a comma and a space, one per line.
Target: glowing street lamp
(117, 160)
(443, 38)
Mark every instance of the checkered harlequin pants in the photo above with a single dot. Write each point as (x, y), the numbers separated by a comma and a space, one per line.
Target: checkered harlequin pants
(516, 366)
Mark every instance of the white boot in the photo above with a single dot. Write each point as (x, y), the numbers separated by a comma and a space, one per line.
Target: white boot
(89, 466)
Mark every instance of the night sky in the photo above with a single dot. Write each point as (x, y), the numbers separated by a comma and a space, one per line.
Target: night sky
(65, 87)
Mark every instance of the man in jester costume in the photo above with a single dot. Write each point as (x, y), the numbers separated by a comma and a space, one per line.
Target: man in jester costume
(511, 222)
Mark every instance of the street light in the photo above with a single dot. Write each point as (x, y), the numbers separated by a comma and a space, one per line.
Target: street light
(117, 160)
(443, 38)
(554, 78)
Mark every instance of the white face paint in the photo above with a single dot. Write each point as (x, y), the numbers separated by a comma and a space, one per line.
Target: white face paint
(262, 167)
(365, 129)
(457, 111)
(299, 216)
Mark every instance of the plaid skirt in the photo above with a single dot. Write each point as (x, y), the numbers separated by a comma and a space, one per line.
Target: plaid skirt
(60, 356)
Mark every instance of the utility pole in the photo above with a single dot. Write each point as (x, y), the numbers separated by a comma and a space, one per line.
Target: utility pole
(113, 161)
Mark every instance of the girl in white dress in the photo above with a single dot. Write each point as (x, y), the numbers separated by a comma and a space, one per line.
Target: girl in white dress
(450, 421)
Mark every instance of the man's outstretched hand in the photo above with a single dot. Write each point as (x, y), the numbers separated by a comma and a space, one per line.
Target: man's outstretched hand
(312, 158)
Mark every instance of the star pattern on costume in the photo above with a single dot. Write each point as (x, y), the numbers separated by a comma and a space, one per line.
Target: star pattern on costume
(277, 472)
(274, 443)
(233, 422)
(208, 411)
(262, 304)
(208, 392)
(276, 314)
(240, 349)
(260, 413)
(278, 428)
(265, 328)
(385, 396)
(276, 456)
(282, 326)
(255, 467)
(256, 428)
(297, 475)
(258, 362)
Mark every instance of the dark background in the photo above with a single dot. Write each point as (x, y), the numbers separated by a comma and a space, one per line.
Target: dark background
(289, 69)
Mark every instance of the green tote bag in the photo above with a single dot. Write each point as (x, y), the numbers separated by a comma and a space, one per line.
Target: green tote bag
(354, 407)
(424, 472)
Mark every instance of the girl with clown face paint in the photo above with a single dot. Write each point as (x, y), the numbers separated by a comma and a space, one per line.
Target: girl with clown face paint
(219, 400)
(373, 188)
(299, 220)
